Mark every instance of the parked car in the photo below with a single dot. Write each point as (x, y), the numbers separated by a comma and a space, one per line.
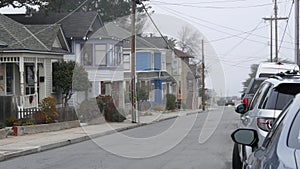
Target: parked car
(251, 89)
(230, 102)
(268, 69)
(271, 97)
(281, 147)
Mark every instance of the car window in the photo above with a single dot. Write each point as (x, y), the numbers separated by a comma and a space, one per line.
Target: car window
(254, 86)
(276, 100)
(262, 89)
(294, 135)
(276, 128)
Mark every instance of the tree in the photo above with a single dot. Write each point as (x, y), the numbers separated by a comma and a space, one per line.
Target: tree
(109, 10)
(189, 41)
(22, 3)
(252, 73)
(70, 77)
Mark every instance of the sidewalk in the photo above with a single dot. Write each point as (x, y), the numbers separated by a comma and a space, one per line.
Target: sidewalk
(15, 146)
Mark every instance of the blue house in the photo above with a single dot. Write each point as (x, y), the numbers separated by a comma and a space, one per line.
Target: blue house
(151, 68)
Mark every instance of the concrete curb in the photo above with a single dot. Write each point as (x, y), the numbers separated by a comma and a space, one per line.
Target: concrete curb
(79, 139)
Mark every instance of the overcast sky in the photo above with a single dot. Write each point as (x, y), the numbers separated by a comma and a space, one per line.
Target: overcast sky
(234, 31)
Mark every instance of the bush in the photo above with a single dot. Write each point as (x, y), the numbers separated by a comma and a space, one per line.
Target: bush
(171, 102)
(111, 114)
(2, 125)
(158, 107)
(27, 122)
(48, 110)
(40, 117)
(11, 121)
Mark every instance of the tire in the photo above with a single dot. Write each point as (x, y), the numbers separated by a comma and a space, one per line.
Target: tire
(236, 160)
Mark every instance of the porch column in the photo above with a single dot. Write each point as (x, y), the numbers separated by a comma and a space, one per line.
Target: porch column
(35, 78)
(21, 63)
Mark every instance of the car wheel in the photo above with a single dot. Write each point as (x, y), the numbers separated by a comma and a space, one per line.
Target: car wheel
(236, 160)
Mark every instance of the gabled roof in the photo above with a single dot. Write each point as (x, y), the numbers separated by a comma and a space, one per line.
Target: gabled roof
(74, 24)
(148, 42)
(182, 54)
(20, 37)
(111, 30)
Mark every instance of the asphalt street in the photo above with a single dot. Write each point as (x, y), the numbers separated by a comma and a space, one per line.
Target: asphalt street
(181, 143)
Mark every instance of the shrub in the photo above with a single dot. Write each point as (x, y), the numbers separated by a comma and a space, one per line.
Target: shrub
(158, 107)
(27, 122)
(48, 110)
(2, 125)
(111, 114)
(40, 117)
(11, 121)
(171, 102)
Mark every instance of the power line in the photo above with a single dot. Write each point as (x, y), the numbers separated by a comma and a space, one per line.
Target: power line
(287, 23)
(212, 28)
(175, 12)
(208, 2)
(210, 7)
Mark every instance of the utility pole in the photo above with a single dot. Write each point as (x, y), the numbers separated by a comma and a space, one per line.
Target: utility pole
(297, 56)
(276, 18)
(271, 36)
(203, 78)
(276, 31)
(134, 112)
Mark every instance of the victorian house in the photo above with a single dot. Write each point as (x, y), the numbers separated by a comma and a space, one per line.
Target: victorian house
(26, 56)
(92, 46)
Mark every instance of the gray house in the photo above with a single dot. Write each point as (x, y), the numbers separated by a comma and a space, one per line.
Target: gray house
(27, 54)
(92, 46)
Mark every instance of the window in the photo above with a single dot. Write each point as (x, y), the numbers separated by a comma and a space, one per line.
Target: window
(258, 95)
(276, 128)
(157, 61)
(54, 86)
(10, 79)
(143, 61)
(276, 100)
(29, 71)
(87, 54)
(100, 55)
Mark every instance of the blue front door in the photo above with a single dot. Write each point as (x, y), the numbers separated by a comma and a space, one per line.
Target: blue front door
(158, 91)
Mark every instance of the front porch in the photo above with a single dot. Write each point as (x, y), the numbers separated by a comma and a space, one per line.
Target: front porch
(24, 81)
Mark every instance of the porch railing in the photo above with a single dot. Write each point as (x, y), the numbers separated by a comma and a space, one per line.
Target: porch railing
(27, 113)
(27, 101)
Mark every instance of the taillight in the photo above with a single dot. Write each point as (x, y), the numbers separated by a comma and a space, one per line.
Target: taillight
(245, 102)
(265, 123)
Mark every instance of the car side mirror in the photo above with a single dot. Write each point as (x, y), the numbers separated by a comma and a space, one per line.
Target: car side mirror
(241, 108)
(247, 137)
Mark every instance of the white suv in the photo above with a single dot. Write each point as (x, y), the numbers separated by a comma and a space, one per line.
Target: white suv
(270, 98)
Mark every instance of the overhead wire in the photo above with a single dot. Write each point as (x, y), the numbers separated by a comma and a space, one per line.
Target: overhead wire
(175, 12)
(212, 7)
(287, 23)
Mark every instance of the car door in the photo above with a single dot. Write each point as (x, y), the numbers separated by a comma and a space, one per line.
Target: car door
(247, 118)
(266, 156)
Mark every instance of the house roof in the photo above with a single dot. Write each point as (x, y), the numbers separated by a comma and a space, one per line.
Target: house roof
(148, 42)
(182, 54)
(112, 30)
(74, 24)
(17, 36)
